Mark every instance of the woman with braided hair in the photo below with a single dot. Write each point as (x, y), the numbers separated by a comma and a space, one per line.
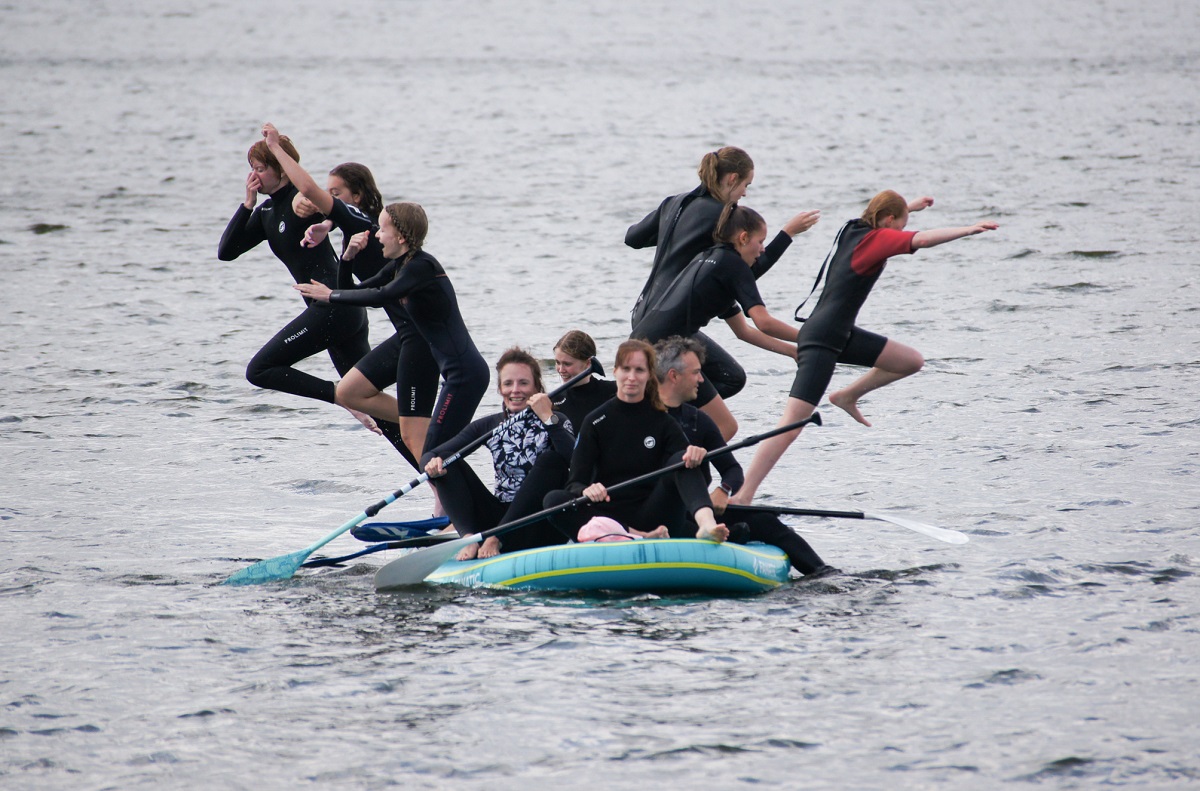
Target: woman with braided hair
(415, 278)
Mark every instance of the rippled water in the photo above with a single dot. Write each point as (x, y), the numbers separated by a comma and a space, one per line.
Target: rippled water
(1055, 421)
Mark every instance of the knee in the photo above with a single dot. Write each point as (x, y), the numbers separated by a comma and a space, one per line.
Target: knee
(256, 373)
(915, 362)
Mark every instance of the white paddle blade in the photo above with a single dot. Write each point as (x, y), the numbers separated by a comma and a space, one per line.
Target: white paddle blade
(940, 533)
(412, 569)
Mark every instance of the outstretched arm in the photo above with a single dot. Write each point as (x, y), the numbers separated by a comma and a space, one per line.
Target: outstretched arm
(296, 174)
(942, 235)
(920, 203)
(756, 337)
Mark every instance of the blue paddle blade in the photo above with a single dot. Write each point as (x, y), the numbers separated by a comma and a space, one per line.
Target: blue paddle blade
(270, 570)
(398, 531)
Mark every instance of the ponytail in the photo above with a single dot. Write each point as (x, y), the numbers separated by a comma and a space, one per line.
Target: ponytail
(716, 165)
(735, 219)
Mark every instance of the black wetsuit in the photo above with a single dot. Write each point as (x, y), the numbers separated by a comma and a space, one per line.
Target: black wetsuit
(342, 330)
(529, 460)
(752, 526)
(680, 229)
(618, 442)
(714, 284)
(421, 285)
(580, 400)
(829, 335)
(408, 361)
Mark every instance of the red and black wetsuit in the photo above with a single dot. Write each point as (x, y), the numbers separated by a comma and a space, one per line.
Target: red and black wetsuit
(829, 336)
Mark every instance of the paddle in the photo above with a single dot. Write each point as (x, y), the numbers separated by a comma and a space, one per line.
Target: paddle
(284, 566)
(413, 569)
(407, 543)
(940, 533)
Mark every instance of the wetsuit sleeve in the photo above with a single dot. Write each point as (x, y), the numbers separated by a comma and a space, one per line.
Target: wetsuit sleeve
(241, 234)
(345, 274)
(562, 441)
(583, 461)
(877, 247)
(771, 254)
(375, 293)
(349, 219)
(645, 233)
(472, 432)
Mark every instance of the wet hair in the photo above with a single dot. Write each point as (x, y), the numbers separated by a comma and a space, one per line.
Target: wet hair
(670, 351)
(716, 165)
(359, 180)
(735, 219)
(886, 204)
(577, 344)
(625, 351)
(515, 355)
(411, 223)
(259, 152)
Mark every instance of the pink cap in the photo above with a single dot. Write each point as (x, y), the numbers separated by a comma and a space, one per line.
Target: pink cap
(602, 528)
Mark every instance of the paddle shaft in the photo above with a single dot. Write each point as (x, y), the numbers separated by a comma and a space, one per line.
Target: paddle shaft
(405, 543)
(787, 511)
(940, 533)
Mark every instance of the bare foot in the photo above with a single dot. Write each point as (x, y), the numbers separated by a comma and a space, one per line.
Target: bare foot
(716, 533)
(365, 419)
(490, 548)
(468, 552)
(848, 405)
(738, 499)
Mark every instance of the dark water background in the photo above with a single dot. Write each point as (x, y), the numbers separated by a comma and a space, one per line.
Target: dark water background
(1055, 422)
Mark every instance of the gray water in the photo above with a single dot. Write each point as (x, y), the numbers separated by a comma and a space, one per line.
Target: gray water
(1055, 421)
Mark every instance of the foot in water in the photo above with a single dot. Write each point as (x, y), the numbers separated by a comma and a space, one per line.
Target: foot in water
(822, 572)
(366, 420)
(849, 405)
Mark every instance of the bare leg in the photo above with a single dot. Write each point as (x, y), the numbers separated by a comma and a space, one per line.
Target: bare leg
(771, 450)
(895, 362)
(721, 415)
(413, 431)
(709, 530)
(355, 392)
